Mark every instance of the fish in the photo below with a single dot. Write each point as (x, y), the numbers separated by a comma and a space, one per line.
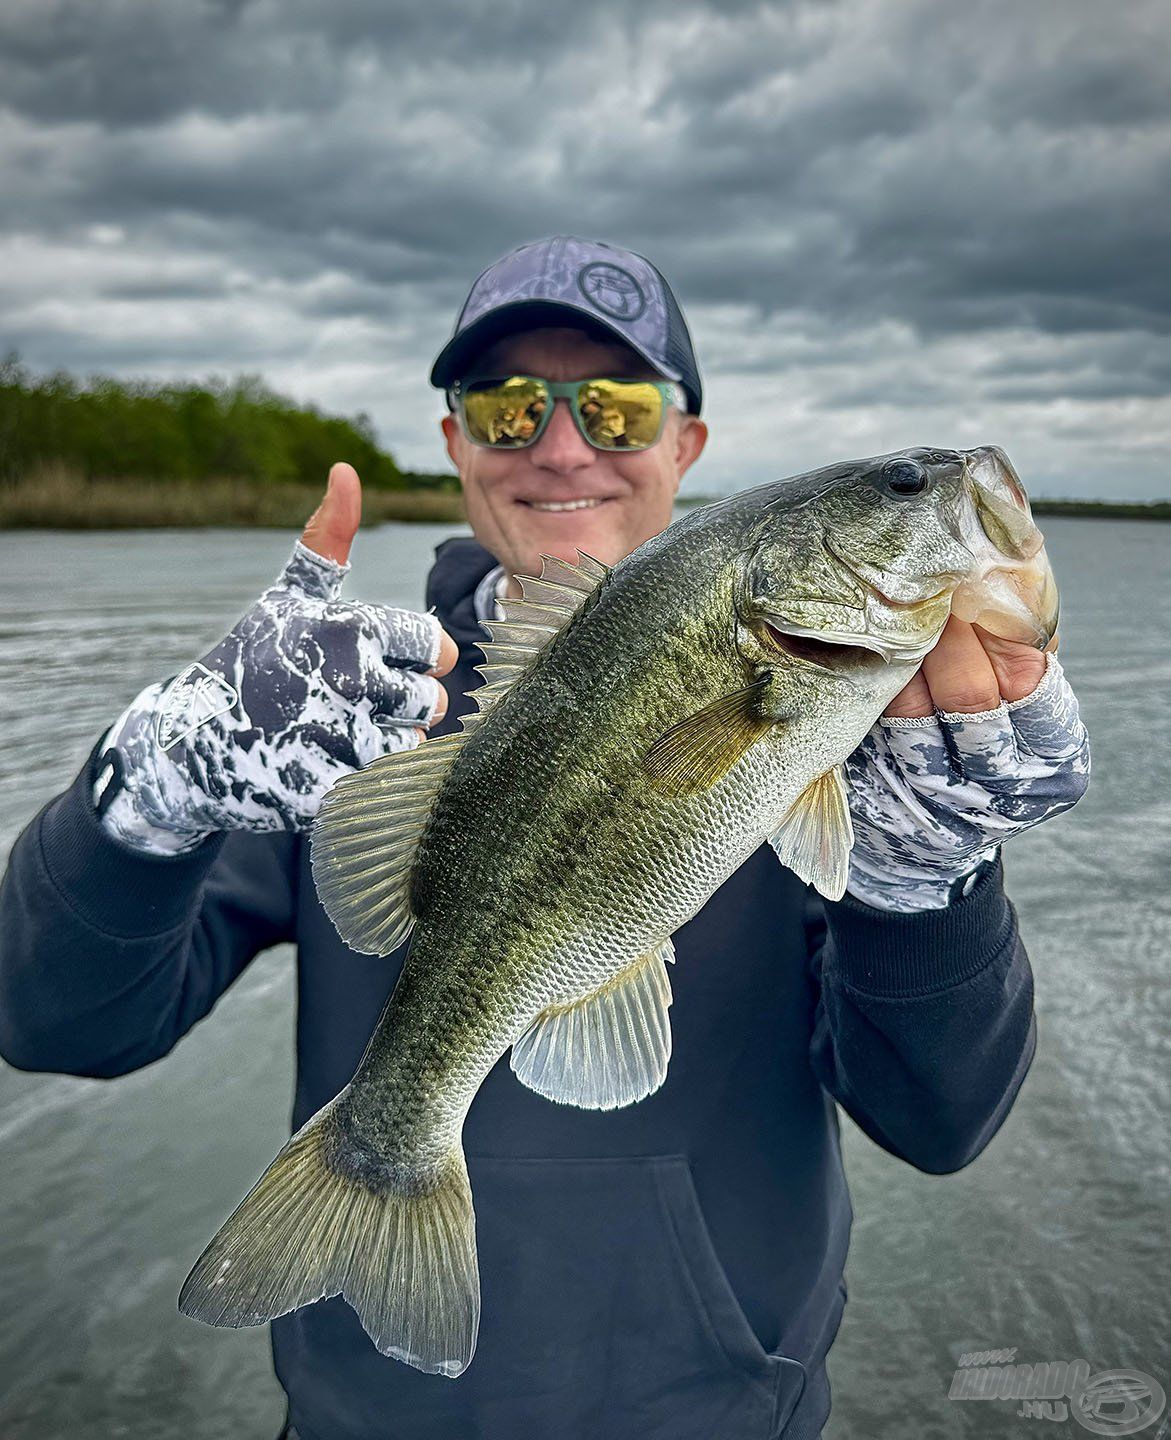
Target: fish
(641, 730)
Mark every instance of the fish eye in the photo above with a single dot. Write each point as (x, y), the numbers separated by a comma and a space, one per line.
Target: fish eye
(904, 478)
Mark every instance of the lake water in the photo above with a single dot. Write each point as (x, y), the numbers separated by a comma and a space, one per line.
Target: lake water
(1054, 1241)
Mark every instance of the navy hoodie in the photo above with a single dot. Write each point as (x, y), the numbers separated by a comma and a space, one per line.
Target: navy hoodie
(670, 1271)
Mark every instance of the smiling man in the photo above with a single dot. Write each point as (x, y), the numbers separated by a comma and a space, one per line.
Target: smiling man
(675, 1268)
(561, 492)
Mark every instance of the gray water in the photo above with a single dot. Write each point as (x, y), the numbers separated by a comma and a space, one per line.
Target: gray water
(1053, 1241)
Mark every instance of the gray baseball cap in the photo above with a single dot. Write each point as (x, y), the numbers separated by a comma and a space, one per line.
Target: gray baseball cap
(614, 289)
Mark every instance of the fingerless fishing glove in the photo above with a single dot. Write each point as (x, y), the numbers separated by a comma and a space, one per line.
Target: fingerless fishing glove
(932, 798)
(304, 689)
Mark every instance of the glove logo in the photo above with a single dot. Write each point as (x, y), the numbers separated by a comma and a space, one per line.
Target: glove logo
(196, 695)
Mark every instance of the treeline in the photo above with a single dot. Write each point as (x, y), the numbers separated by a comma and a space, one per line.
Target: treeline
(1105, 509)
(103, 429)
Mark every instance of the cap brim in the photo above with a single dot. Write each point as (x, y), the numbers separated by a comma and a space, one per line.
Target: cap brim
(462, 348)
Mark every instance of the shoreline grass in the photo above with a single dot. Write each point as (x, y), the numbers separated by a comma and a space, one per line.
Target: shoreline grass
(57, 498)
(1105, 509)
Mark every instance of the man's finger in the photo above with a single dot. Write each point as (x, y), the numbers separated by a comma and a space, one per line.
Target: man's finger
(330, 530)
(959, 672)
(448, 655)
(412, 639)
(405, 698)
(913, 701)
(391, 724)
(1018, 667)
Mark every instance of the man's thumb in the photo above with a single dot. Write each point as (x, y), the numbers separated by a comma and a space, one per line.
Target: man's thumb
(331, 528)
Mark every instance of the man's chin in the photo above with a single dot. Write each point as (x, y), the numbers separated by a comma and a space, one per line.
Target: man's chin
(563, 532)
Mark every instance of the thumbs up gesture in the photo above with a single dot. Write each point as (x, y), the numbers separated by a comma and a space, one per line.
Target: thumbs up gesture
(303, 689)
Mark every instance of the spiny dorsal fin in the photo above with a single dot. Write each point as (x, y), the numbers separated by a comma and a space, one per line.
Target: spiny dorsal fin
(550, 600)
(698, 751)
(362, 845)
(816, 836)
(609, 1048)
(596, 569)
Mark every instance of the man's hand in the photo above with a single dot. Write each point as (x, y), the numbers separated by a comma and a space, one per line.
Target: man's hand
(983, 743)
(968, 671)
(304, 689)
(330, 532)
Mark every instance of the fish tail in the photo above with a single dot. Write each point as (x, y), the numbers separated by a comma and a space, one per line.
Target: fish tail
(330, 1217)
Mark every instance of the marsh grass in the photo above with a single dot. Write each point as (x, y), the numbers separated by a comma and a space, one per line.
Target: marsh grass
(57, 497)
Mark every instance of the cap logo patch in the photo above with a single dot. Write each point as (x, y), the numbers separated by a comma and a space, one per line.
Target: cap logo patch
(612, 290)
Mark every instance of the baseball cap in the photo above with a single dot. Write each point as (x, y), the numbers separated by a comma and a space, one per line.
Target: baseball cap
(616, 289)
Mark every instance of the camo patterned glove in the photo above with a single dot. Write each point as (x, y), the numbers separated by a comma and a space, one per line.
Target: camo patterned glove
(303, 690)
(931, 799)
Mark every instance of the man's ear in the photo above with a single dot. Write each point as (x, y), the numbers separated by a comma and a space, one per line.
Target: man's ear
(452, 437)
(690, 438)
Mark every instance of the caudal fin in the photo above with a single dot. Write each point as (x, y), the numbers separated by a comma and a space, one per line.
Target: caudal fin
(327, 1219)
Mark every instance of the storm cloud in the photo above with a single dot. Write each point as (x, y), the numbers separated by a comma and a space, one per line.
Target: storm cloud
(889, 222)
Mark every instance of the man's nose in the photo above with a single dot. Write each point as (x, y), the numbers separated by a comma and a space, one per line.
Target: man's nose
(562, 447)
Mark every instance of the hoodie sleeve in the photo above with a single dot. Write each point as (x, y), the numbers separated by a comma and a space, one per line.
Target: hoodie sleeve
(924, 1027)
(109, 955)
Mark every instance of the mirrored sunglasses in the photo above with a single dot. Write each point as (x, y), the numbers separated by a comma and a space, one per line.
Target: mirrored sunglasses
(512, 412)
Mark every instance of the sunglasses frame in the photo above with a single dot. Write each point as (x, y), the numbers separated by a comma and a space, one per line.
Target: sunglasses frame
(670, 391)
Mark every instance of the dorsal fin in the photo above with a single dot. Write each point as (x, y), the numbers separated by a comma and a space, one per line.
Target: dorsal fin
(550, 600)
(363, 842)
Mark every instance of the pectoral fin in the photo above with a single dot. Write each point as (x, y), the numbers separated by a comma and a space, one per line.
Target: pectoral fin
(816, 836)
(608, 1049)
(693, 755)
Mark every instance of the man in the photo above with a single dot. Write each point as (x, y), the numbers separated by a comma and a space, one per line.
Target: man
(673, 1268)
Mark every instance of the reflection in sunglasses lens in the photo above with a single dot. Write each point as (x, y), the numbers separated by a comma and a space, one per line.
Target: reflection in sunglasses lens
(620, 415)
(507, 414)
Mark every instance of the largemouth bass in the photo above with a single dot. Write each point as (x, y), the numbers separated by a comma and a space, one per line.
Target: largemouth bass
(642, 730)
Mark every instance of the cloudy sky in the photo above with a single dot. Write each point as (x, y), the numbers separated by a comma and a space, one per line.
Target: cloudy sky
(890, 222)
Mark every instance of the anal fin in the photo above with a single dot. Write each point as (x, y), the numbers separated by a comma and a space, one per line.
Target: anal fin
(609, 1048)
(816, 836)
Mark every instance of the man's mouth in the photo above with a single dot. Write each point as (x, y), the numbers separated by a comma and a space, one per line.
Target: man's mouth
(590, 502)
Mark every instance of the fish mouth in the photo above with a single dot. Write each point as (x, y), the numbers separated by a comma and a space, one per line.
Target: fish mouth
(907, 607)
(849, 644)
(1011, 591)
(824, 649)
(1018, 603)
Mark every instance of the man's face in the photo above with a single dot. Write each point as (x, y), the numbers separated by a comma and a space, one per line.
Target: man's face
(620, 498)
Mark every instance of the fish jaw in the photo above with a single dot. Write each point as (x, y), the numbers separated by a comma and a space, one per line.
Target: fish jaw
(830, 648)
(1013, 602)
(1010, 590)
